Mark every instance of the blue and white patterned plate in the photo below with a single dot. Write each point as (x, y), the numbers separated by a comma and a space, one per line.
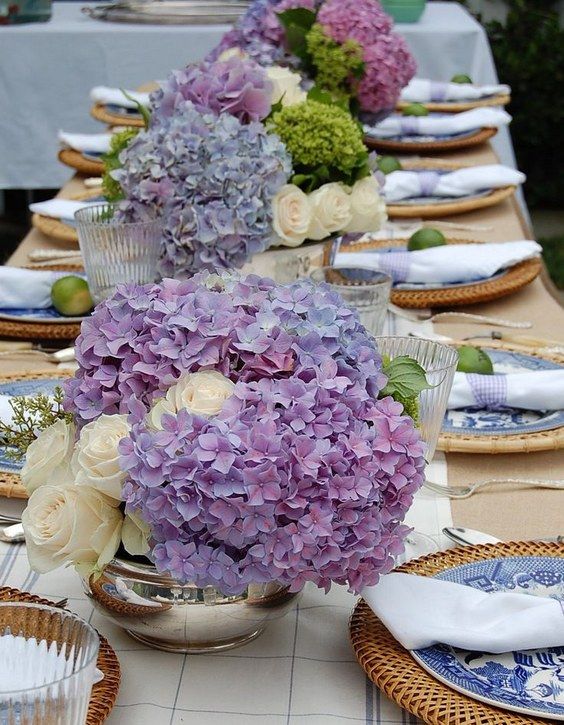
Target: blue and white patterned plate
(127, 113)
(531, 681)
(25, 387)
(32, 314)
(510, 421)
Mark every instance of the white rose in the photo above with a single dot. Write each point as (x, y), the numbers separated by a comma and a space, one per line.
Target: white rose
(331, 210)
(95, 461)
(368, 207)
(47, 459)
(135, 535)
(232, 53)
(70, 524)
(286, 84)
(292, 215)
(202, 393)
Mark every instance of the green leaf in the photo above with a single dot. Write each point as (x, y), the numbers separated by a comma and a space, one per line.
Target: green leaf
(296, 39)
(143, 110)
(299, 17)
(406, 378)
(321, 96)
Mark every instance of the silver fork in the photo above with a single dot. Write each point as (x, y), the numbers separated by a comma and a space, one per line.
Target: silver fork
(422, 315)
(458, 492)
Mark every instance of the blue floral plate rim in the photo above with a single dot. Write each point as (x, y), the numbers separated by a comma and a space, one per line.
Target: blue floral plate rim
(494, 682)
(44, 315)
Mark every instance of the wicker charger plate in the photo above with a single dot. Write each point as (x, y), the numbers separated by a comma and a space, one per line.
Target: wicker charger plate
(477, 138)
(548, 440)
(77, 161)
(41, 330)
(101, 113)
(502, 99)
(104, 693)
(393, 670)
(58, 229)
(10, 483)
(514, 279)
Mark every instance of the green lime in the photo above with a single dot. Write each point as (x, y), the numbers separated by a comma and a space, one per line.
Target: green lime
(474, 360)
(425, 238)
(415, 109)
(70, 296)
(387, 164)
(461, 78)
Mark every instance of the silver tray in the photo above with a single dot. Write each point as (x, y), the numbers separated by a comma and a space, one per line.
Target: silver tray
(170, 12)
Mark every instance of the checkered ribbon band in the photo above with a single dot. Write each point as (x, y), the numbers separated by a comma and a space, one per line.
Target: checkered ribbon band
(438, 91)
(428, 181)
(489, 391)
(396, 264)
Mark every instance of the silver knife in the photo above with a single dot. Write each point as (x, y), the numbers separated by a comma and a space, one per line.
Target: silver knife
(13, 534)
(460, 535)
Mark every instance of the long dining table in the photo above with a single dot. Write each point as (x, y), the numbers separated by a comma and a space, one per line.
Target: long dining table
(303, 669)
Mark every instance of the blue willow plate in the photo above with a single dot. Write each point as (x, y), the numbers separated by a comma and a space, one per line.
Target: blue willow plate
(530, 681)
(122, 111)
(33, 314)
(508, 421)
(25, 387)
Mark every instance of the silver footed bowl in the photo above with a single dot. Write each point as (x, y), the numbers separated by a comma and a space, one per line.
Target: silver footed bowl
(161, 613)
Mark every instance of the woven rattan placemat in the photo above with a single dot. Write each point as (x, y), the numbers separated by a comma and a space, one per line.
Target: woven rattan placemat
(104, 693)
(413, 147)
(62, 331)
(402, 679)
(458, 107)
(515, 278)
(10, 484)
(57, 228)
(77, 161)
(101, 113)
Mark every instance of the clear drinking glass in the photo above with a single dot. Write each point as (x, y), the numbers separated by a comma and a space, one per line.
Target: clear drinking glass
(47, 665)
(439, 362)
(115, 252)
(363, 288)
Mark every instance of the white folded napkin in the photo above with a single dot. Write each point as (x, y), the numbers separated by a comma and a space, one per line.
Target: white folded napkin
(438, 124)
(400, 185)
(95, 143)
(531, 390)
(60, 208)
(116, 97)
(26, 288)
(421, 611)
(443, 265)
(423, 90)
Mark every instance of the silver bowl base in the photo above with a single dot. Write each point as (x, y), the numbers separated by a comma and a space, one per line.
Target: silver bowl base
(198, 647)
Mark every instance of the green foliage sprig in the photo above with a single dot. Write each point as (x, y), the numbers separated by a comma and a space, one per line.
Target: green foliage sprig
(119, 141)
(31, 415)
(406, 379)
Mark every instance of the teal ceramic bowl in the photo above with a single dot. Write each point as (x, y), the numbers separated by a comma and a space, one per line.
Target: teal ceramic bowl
(404, 11)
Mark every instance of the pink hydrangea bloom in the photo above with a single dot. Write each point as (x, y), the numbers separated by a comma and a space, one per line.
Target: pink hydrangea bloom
(389, 66)
(362, 20)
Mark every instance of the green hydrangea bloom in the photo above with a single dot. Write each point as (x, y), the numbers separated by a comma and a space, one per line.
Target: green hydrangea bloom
(337, 66)
(325, 142)
(120, 141)
(410, 406)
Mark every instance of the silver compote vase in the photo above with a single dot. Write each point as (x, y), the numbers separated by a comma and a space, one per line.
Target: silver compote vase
(161, 613)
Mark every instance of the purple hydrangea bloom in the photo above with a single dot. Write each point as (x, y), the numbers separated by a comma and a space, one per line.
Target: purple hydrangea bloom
(303, 475)
(213, 179)
(235, 86)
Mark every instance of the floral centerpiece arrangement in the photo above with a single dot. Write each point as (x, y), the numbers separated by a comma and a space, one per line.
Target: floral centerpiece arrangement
(231, 430)
(237, 158)
(346, 47)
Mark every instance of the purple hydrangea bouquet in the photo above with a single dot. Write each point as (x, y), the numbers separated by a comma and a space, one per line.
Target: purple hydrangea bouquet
(345, 47)
(237, 158)
(233, 431)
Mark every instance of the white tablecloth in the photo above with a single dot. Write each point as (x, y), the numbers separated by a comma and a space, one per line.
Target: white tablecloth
(47, 70)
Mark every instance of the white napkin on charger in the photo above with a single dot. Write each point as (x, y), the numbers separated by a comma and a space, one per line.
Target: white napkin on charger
(438, 124)
(116, 97)
(26, 288)
(423, 90)
(443, 265)
(531, 390)
(60, 208)
(400, 185)
(95, 143)
(421, 611)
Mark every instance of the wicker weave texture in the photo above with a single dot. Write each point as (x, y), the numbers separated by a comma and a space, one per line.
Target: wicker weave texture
(413, 147)
(515, 278)
(101, 113)
(39, 330)
(76, 160)
(501, 99)
(104, 693)
(58, 229)
(391, 668)
(448, 208)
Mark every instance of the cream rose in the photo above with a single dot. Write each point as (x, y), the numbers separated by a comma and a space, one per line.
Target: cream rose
(286, 84)
(135, 535)
(47, 459)
(368, 207)
(70, 525)
(331, 206)
(202, 393)
(292, 215)
(95, 461)
(232, 53)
